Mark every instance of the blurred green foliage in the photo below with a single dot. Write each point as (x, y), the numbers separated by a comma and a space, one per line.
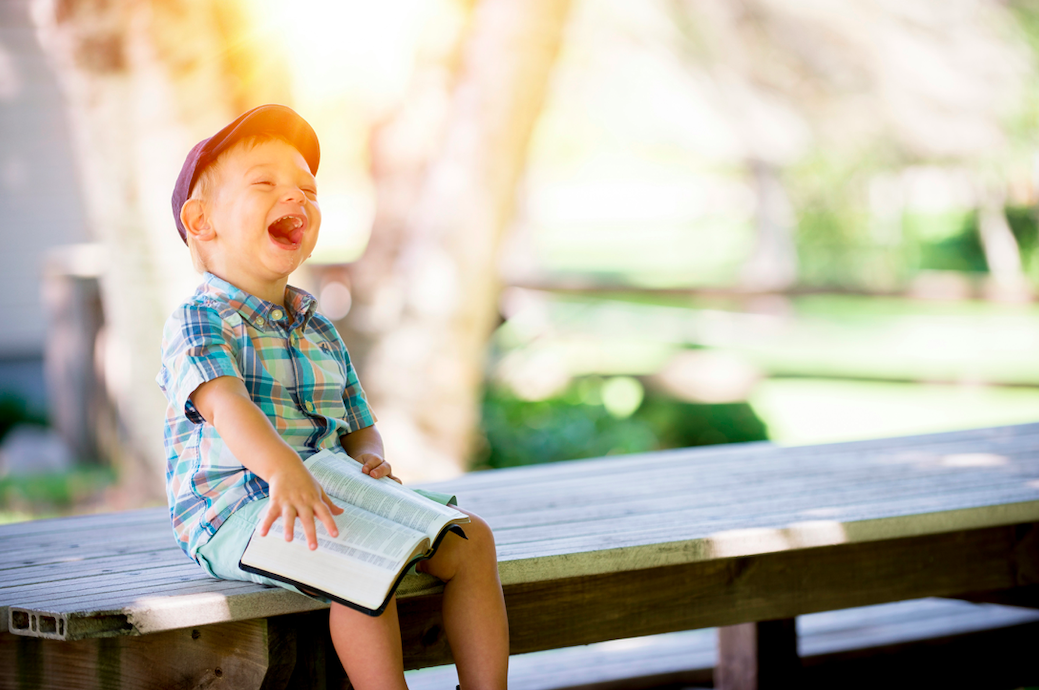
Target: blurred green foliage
(13, 411)
(947, 242)
(567, 427)
(1024, 222)
(1021, 124)
(52, 493)
(29, 496)
(837, 243)
(952, 242)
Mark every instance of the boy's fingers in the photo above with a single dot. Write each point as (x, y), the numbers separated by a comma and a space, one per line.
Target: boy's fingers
(268, 519)
(289, 517)
(306, 520)
(375, 466)
(332, 507)
(325, 515)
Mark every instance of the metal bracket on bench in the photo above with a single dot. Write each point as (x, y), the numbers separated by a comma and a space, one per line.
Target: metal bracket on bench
(58, 626)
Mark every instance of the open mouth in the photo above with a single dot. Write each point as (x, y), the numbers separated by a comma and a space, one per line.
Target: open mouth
(287, 231)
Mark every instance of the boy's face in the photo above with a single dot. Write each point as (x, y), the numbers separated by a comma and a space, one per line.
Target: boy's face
(264, 216)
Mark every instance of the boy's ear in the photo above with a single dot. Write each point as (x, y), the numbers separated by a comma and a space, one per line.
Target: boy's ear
(193, 216)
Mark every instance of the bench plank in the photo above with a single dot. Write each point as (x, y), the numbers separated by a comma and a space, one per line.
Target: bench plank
(740, 459)
(782, 584)
(88, 523)
(61, 572)
(688, 658)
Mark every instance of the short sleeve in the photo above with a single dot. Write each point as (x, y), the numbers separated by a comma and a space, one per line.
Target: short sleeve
(198, 345)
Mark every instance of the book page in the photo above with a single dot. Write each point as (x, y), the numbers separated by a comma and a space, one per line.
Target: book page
(342, 478)
(362, 536)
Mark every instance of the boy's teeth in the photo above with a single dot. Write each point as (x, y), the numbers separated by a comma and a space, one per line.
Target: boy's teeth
(287, 224)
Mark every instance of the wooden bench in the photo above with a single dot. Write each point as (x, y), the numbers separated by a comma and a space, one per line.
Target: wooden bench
(744, 536)
(922, 643)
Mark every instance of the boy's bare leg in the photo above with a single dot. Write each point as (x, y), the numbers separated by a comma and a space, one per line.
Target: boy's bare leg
(369, 648)
(475, 620)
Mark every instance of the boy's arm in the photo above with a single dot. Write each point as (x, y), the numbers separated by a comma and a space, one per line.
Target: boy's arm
(294, 493)
(365, 446)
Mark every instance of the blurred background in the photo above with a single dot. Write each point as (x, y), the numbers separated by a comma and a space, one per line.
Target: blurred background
(552, 229)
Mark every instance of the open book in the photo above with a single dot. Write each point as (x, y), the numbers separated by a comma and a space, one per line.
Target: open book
(383, 531)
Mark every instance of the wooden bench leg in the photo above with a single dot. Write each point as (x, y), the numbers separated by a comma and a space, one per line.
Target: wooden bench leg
(758, 656)
(292, 652)
(247, 655)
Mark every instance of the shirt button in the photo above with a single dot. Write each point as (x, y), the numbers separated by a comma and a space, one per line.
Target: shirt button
(309, 405)
(259, 321)
(276, 314)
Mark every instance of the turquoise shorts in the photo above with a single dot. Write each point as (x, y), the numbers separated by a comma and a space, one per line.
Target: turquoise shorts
(220, 555)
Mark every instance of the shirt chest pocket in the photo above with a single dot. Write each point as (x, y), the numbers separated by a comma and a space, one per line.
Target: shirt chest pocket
(282, 369)
(329, 384)
(279, 373)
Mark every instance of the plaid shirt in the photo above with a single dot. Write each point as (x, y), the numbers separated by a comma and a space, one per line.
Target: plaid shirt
(296, 369)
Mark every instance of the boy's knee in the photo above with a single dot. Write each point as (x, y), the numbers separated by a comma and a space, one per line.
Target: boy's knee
(456, 554)
(479, 534)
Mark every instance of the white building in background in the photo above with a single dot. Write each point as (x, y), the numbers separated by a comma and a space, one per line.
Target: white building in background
(40, 203)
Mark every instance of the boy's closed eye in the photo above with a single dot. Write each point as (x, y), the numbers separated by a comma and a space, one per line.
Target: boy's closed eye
(309, 191)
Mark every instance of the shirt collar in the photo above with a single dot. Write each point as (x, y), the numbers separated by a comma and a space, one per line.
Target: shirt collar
(301, 305)
(259, 312)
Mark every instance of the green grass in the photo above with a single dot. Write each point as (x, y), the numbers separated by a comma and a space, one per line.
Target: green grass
(832, 368)
(30, 496)
(800, 411)
(9, 516)
(826, 336)
(708, 251)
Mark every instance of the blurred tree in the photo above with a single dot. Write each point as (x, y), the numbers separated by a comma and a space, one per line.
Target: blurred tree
(867, 88)
(143, 82)
(425, 294)
(1002, 254)
(723, 39)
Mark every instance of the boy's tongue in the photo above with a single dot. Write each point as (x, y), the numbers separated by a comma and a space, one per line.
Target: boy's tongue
(286, 231)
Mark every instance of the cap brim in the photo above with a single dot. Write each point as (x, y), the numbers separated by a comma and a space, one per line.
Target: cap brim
(276, 120)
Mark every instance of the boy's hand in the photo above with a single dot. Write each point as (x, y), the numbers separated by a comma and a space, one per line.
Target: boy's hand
(365, 446)
(296, 494)
(374, 466)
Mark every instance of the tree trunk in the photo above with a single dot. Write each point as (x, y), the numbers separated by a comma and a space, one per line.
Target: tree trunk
(426, 291)
(772, 264)
(144, 81)
(1008, 282)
